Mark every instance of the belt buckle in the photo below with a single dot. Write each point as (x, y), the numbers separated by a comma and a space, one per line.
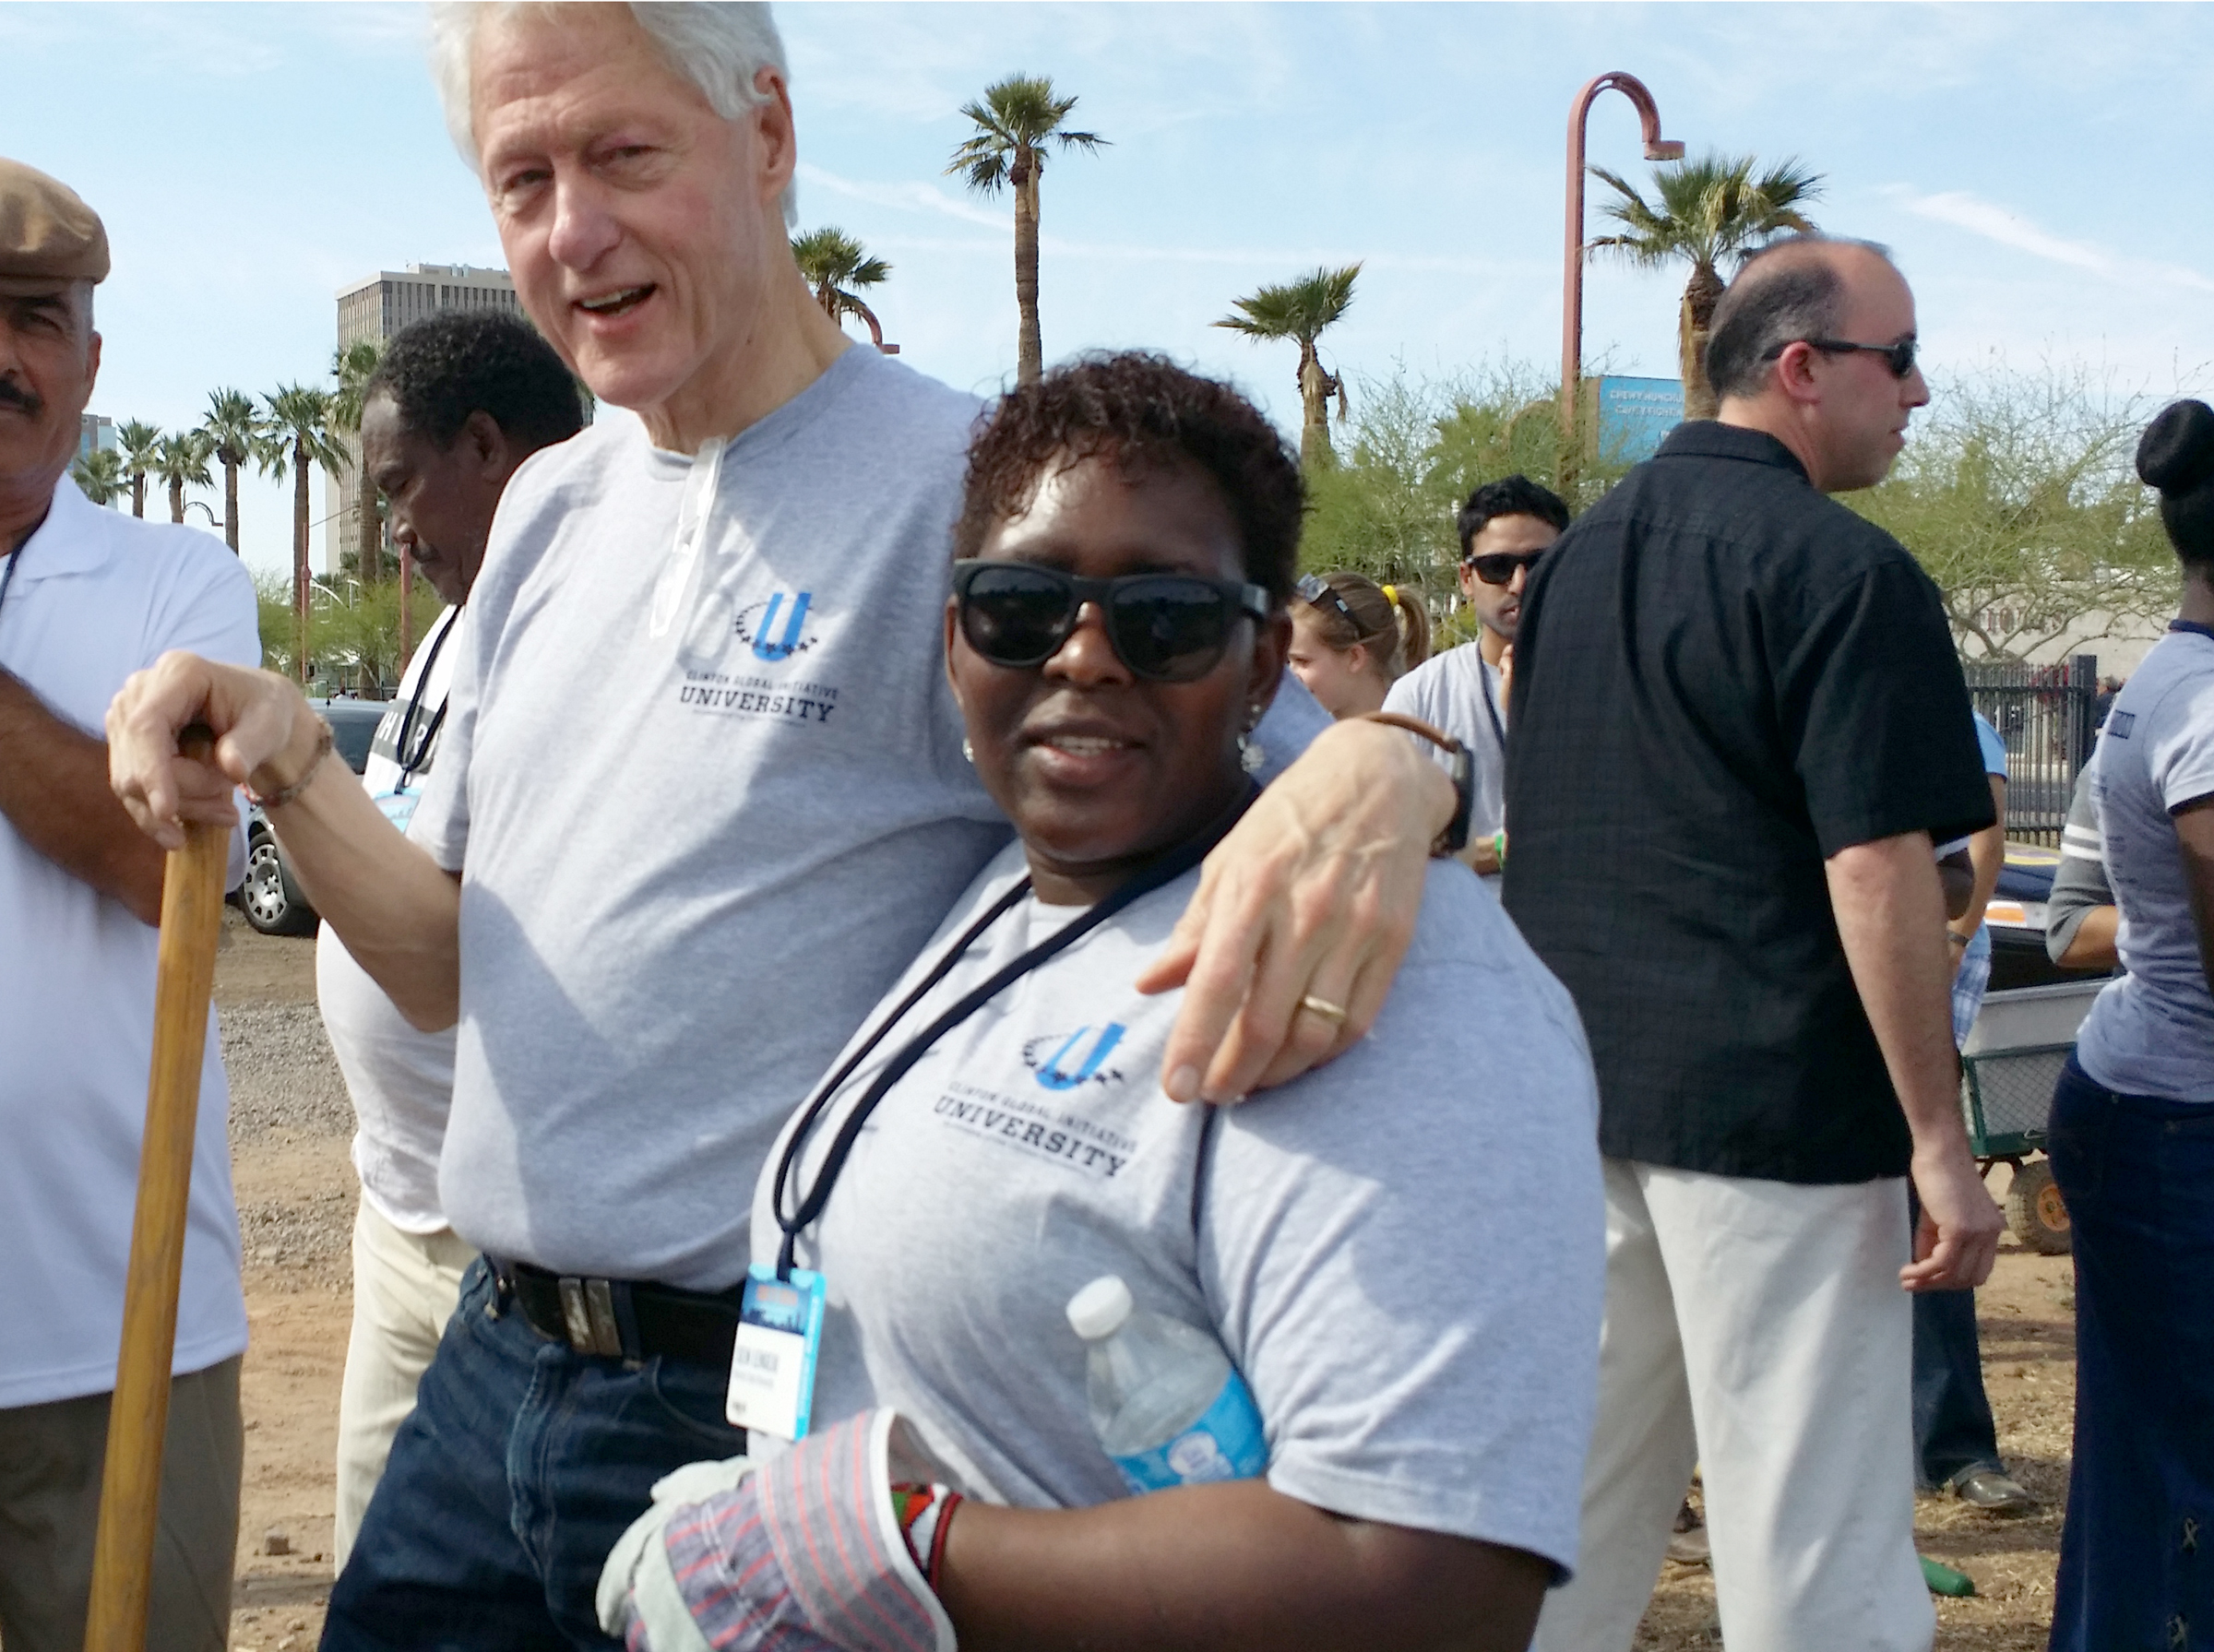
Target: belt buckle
(587, 1314)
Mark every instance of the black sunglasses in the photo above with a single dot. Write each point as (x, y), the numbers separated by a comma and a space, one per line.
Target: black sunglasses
(1899, 357)
(1497, 567)
(1167, 627)
(1319, 592)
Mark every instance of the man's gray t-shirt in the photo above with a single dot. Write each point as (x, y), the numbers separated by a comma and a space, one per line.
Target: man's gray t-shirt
(692, 860)
(1402, 1252)
(1457, 692)
(705, 809)
(2150, 1032)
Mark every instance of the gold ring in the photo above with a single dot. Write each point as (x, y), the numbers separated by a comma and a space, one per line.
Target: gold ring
(1334, 1014)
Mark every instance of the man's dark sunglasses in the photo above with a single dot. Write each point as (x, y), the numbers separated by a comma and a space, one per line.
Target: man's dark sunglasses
(1169, 627)
(1498, 567)
(1899, 357)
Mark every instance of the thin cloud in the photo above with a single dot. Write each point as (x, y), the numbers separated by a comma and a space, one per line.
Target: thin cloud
(2000, 224)
(925, 197)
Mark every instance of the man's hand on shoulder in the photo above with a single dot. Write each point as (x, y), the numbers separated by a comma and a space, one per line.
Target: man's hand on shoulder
(1311, 900)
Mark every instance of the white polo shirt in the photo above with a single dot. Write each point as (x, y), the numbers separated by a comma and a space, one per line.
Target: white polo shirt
(98, 595)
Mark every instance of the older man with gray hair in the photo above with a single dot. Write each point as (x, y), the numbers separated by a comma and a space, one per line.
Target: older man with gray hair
(1738, 725)
(700, 797)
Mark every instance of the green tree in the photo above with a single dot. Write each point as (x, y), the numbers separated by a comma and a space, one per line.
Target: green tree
(834, 263)
(351, 366)
(231, 428)
(353, 631)
(99, 475)
(1017, 120)
(296, 435)
(135, 439)
(1302, 309)
(1704, 211)
(179, 460)
(2018, 496)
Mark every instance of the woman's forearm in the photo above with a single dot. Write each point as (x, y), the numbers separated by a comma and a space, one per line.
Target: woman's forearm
(1225, 1567)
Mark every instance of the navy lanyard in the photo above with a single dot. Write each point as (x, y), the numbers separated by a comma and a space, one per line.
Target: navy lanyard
(408, 765)
(1166, 870)
(1483, 681)
(2191, 625)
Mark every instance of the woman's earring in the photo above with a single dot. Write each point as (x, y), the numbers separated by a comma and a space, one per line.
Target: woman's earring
(1251, 754)
(967, 751)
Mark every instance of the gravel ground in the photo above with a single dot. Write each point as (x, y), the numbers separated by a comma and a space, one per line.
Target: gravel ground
(286, 1094)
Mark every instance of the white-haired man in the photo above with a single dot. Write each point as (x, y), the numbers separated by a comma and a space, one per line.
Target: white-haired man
(700, 796)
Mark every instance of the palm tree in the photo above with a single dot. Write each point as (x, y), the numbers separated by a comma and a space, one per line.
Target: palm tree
(1014, 122)
(1705, 210)
(101, 475)
(295, 433)
(179, 460)
(136, 438)
(834, 263)
(230, 428)
(1301, 309)
(351, 365)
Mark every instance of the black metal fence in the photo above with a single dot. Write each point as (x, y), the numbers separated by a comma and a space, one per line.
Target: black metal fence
(2047, 715)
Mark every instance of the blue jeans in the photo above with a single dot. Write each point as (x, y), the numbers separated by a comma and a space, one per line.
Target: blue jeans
(2136, 1554)
(521, 1465)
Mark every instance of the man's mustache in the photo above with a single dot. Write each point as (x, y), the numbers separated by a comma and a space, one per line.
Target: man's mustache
(15, 396)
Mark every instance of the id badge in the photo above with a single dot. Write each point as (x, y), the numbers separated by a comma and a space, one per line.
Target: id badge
(772, 1358)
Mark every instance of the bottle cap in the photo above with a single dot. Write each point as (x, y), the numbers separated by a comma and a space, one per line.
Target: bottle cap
(1099, 1308)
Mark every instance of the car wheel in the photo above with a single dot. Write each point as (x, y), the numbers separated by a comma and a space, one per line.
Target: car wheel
(269, 898)
(2036, 1211)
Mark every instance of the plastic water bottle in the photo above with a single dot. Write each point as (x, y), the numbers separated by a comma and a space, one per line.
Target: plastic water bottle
(1167, 1404)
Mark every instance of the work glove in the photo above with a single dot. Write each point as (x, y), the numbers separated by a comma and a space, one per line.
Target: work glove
(813, 1550)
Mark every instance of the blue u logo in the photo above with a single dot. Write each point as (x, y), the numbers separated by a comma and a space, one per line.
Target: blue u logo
(1053, 1079)
(765, 650)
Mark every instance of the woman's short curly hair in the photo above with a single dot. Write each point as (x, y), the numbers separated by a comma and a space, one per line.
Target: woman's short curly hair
(1138, 409)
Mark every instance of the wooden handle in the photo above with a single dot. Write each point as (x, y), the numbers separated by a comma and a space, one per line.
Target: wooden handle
(192, 919)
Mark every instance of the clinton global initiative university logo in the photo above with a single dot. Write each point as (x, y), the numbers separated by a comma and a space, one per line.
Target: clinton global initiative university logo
(1062, 1062)
(777, 628)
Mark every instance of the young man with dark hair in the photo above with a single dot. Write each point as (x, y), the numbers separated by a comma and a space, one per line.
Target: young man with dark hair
(453, 410)
(1506, 527)
(1740, 727)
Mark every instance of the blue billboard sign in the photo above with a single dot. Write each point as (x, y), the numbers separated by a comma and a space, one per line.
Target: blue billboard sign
(1635, 414)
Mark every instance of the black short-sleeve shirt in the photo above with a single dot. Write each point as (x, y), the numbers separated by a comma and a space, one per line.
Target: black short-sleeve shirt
(1721, 678)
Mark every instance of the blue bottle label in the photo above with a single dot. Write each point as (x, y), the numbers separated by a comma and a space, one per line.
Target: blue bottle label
(1227, 1443)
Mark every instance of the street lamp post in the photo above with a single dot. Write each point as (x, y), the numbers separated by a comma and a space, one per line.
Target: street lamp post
(1572, 253)
(202, 505)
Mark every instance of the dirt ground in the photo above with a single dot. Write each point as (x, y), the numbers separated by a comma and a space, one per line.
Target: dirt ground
(297, 1192)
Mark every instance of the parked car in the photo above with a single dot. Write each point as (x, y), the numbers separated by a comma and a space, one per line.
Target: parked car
(269, 898)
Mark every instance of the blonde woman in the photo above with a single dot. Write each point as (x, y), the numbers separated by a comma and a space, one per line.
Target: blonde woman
(1352, 638)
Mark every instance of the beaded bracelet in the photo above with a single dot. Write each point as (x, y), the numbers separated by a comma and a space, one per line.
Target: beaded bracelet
(277, 800)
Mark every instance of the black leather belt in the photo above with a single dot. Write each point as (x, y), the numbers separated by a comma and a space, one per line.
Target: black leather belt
(622, 1319)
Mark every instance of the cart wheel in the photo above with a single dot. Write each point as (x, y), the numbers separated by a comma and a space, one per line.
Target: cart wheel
(2035, 1211)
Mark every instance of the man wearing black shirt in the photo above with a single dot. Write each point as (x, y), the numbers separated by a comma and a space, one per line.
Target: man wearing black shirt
(1738, 725)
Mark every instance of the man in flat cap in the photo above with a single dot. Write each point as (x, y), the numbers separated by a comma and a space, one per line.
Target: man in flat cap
(86, 597)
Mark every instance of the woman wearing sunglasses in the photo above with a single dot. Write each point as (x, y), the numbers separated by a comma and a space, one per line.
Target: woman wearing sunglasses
(1402, 1263)
(1352, 638)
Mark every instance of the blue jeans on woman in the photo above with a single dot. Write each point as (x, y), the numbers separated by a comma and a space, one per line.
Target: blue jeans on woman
(2136, 1554)
(520, 1466)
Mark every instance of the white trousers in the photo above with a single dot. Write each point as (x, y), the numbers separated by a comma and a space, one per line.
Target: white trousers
(405, 1286)
(1757, 1330)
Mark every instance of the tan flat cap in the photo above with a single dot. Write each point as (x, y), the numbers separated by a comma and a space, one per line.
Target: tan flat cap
(46, 232)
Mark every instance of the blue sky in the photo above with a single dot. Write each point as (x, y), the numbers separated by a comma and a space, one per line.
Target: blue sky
(2036, 169)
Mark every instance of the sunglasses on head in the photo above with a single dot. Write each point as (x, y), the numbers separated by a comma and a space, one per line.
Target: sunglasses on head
(1497, 567)
(1899, 357)
(1167, 627)
(1314, 589)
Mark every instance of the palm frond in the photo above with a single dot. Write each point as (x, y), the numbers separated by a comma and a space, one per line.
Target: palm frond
(1706, 209)
(1299, 309)
(1016, 119)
